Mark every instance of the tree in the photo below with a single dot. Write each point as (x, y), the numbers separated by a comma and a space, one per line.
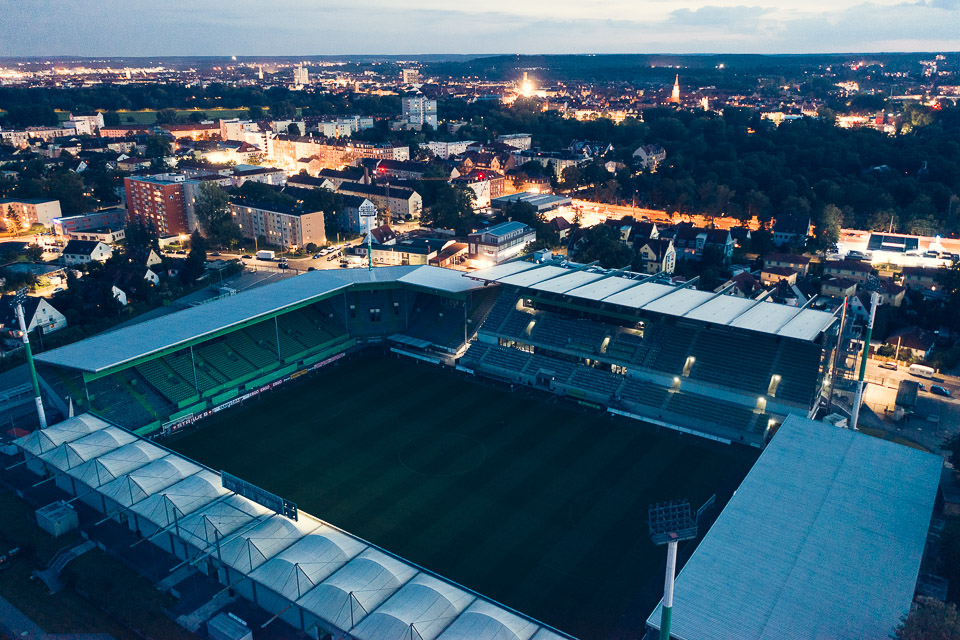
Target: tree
(930, 620)
(213, 214)
(196, 262)
(255, 113)
(157, 147)
(13, 215)
(166, 116)
(197, 116)
(34, 253)
(111, 118)
(293, 129)
(828, 229)
(602, 243)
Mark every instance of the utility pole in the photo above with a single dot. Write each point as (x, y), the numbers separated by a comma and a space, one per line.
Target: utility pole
(861, 383)
(21, 295)
(670, 523)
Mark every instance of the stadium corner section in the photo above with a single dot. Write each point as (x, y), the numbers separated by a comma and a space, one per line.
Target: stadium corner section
(166, 373)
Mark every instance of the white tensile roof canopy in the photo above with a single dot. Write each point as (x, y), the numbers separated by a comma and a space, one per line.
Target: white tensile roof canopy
(342, 580)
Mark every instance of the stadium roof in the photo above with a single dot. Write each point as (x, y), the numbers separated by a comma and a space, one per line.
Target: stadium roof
(633, 292)
(822, 540)
(107, 350)
(337, 577)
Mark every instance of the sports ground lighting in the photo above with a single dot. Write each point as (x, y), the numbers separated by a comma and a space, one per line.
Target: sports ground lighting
(21, 295)
(670, 522)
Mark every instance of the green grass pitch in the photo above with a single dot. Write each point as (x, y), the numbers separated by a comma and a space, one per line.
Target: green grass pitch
(540, 505)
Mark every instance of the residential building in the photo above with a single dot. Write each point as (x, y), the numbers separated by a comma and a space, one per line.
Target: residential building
(105, 235)
(852, 269)
(891, 294)
(38, 314)
(358, 213)
(769, 276)
(264, 175)
(920, 278)
(86, 125)
(301, 76)
(912, 341)
(287, 227)
(398, 203)
(659, 255)
(690, 242)
(162, 202)
(31, 210)
(798, 263)
(649, 156)
(444, 150)
(414, 251)
(521, 141)
(113, 218)
(80, 252)
(501, 242)
(419, 110)
(838, 287)
(410, 76)
(194, 131)
(791, 230)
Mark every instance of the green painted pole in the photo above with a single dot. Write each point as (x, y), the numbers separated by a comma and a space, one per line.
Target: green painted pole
(33, 370)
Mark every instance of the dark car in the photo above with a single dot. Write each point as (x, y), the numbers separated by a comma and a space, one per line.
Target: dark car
(248, 257)
(181, 252)
(937, 390)
(215, 253)
(311, 268)
(283, 265)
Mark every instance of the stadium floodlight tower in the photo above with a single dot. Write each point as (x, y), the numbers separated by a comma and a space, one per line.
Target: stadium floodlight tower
(370, 218)
(21, 295)
(670, 523)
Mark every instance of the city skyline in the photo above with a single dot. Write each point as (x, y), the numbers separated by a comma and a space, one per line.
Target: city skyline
(243, 27)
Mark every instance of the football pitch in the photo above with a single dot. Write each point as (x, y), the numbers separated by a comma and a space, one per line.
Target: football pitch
(538, 504)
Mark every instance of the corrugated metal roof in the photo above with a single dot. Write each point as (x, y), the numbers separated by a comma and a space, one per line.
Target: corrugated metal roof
(567, 282)
(123, 345)
(666, 299)
(721, 310)
(822, 540)
(602, 288)
(533, 276)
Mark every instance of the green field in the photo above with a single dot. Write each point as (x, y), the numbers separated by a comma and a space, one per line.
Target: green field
(540, 505)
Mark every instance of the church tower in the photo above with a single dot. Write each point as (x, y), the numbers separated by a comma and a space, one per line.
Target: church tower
(675, 96)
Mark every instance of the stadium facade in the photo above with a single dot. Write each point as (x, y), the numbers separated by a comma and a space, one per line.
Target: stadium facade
(713, 364)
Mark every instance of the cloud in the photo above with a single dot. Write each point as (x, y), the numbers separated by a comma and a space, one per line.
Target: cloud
(305, 27)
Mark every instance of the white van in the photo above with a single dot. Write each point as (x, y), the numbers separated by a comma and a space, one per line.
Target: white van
(921, 371)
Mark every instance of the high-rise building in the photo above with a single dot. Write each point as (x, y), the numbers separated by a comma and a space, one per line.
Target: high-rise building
(410, 76)
(162, 203)
(418, 110)
(675, 96)
(301, 77)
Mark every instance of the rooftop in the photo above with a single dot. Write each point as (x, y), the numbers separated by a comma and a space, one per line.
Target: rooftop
(822, 540)
(638, 293)
(122, 346)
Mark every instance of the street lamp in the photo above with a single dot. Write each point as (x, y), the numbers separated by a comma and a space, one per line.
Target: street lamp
(18, 302)
(670, 523)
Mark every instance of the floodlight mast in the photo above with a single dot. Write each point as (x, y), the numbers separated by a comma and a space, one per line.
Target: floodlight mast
(862, 383)
(670, 523)
(20, 296)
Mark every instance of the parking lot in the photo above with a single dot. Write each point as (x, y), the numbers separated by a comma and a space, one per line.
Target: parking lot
(934, 419)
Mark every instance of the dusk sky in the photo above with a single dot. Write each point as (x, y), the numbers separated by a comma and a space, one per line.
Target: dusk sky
(303, 27)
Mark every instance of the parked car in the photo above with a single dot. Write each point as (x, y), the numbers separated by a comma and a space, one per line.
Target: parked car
(283, 265)
(247, 256)
(311, 268)
(890, 364)
(937, 390)
(317, 255)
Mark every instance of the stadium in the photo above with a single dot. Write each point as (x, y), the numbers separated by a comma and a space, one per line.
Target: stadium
(506, 428)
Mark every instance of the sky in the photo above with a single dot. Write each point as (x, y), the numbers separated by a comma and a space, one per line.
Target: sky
(316, 27)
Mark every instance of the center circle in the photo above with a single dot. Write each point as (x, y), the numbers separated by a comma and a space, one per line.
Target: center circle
(442, 454)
